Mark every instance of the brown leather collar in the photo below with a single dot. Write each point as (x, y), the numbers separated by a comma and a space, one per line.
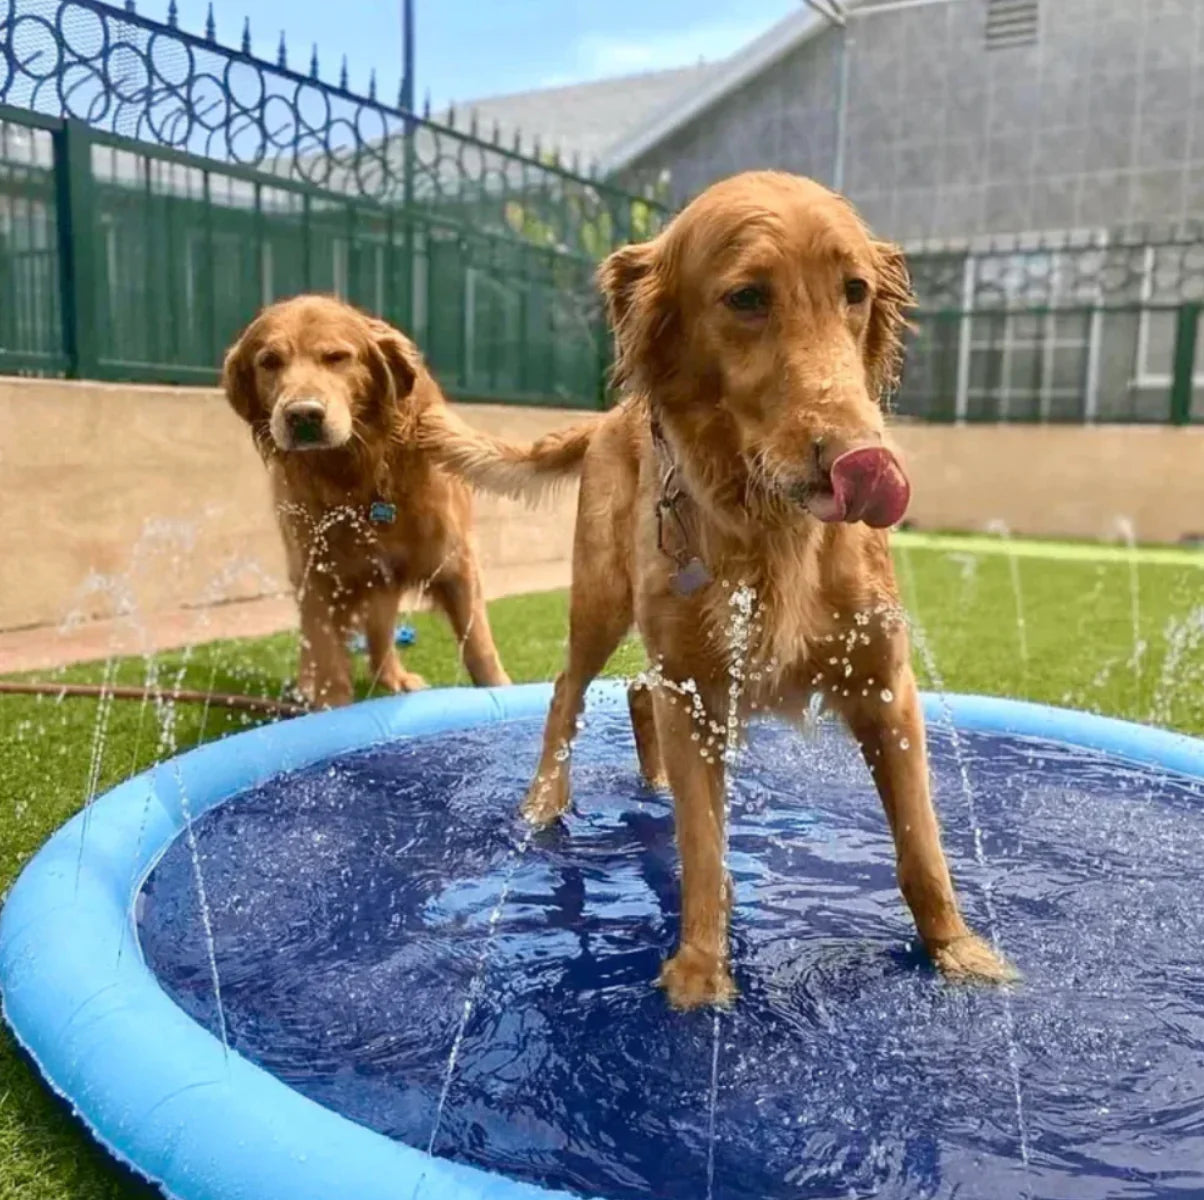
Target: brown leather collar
(691, 572)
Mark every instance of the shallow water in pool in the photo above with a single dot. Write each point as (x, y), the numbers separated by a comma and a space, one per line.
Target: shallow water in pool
(351, 907)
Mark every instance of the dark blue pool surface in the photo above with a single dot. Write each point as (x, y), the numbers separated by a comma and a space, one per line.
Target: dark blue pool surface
(355, 908)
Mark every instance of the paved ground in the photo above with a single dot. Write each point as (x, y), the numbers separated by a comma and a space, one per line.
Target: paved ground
(46, 647)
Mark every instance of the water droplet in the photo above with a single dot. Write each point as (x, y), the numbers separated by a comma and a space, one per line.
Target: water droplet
(887, 695)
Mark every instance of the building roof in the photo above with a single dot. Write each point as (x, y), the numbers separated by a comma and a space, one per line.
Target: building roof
(586, 120)
(613, 122)
(727, 76)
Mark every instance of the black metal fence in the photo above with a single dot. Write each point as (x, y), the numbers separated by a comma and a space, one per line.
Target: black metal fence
(1078, 328)
(157, 187)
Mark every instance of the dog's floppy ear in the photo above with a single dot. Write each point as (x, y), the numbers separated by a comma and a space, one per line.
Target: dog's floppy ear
(893, 298)
(630, 281)
(399, 362)
(238, 381)
(400, 355)
(619, 277)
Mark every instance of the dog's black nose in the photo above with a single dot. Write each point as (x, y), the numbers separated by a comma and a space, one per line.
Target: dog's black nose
(305, 419)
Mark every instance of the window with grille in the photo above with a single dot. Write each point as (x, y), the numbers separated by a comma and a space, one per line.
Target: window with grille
(1011, 23)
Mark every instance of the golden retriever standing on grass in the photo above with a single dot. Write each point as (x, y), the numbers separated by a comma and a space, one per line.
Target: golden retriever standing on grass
(333, 399)
(757, 338)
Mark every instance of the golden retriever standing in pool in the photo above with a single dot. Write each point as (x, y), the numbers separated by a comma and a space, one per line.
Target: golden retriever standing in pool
(757, 339)
(334, 398)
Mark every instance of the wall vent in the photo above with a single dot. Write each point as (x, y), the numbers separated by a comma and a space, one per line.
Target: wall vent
(1011, 23)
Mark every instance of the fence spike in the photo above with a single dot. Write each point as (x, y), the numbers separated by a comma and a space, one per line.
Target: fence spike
(372, 85)
(576, 162)
(173, 14)
(497, 132)
(246, 35)
(518, 141)
(426, 104)
(210, 24)
(313, 62)
(344, 80)
(282, 52)
(536, 152)
(129, 6)
(473, 124)
(451, 115)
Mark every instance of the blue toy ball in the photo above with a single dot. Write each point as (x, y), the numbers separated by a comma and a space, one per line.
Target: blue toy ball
(403, 635)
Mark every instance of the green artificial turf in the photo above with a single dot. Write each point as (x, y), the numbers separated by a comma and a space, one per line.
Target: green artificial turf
(1077, 647)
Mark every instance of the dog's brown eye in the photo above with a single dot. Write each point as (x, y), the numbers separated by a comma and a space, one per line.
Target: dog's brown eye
(750, 299)
(855, 291)
(332, 358)
(269, 360)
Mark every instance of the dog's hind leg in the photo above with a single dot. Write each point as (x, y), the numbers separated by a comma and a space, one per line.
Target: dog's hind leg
(647, 743)
(458, 592)
(600, 613)
(380, 624)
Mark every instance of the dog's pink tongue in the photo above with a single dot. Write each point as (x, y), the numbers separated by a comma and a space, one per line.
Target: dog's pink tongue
(867, 485)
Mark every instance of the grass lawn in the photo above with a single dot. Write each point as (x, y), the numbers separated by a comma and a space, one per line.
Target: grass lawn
(1077, 647)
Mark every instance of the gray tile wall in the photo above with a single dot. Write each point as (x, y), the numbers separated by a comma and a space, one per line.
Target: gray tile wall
(1099, 124)
(785, 118)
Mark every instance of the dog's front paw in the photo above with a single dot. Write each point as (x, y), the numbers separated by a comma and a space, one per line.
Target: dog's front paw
(695, 979)
(547, 798)
(395, 678)
(971, 959)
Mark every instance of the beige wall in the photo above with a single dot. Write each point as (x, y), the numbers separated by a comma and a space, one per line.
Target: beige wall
(1057, 480)
(153, 499)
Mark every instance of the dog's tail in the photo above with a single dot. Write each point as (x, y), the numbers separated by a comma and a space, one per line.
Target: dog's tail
(495, 465)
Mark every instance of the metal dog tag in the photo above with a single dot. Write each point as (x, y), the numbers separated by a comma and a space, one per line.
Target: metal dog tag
(688, 579)
(382, 512)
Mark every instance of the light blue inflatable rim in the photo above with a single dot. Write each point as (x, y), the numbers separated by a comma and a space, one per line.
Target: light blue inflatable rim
(158, 1090)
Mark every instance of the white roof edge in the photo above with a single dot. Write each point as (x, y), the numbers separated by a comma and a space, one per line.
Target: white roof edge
(778, 41)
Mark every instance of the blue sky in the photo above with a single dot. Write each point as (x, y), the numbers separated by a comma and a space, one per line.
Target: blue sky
(472, 48)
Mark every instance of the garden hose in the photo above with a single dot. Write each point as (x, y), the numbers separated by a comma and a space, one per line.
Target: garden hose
(258, 704)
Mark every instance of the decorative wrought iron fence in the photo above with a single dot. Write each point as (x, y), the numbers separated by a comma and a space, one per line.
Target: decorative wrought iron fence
(1095, 327)
(157, 187)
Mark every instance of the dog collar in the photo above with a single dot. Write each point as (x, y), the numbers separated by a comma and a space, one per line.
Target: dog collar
(691, 572)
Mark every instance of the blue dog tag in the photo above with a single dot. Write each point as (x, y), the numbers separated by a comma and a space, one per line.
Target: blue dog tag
(382, 512)
(689, 578)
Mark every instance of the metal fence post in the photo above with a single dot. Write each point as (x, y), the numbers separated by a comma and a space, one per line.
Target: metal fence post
(409, 163)
(77, 248)
(1187, 328)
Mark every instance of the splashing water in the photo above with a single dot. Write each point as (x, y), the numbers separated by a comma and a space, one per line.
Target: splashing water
(738, 634)
(100, 731)
(1184, 636)
(474, 991)
(206, 912)
(1000, 529)
(963, 770)
(1128, 535)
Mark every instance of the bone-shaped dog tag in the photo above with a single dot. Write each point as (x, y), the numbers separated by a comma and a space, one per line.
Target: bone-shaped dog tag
(688, 579)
